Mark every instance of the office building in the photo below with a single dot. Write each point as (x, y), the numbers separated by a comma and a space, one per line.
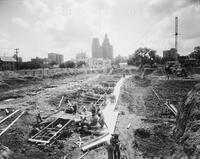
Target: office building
(57, 58)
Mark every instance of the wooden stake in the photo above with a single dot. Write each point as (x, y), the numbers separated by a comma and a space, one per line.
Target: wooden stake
(60, 101)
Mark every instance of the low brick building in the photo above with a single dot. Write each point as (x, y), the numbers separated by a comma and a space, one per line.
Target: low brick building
(7, 63)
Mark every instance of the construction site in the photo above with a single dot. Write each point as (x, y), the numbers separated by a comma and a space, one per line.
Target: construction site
(150, 116)
(136, 97)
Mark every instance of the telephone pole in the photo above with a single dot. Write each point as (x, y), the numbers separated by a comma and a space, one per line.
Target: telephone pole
(16, 53)
(176, 36)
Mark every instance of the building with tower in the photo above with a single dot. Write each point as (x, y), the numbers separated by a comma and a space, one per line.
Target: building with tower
(107, 49)
(104, 51)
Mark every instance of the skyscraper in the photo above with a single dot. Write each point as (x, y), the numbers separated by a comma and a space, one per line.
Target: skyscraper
(96, 48)
(107, 48)
(105, 51)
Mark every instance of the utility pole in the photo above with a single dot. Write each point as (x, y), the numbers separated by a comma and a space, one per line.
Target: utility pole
(16, 53)
(176, 36)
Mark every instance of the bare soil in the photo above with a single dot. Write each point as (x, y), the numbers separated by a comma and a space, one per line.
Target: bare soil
(145, 125)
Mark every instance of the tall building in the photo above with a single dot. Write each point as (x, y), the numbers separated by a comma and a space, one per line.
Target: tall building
(54, 57)
(96, 48)
(107, 48)
(104, 51)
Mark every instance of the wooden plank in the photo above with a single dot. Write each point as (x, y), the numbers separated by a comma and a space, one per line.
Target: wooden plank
(43, 129)
(156, 94)
(172, 108)
(40, 141)
(61, 101)
(11, 123)
(83, 155)
(9, 116)
(99, 99)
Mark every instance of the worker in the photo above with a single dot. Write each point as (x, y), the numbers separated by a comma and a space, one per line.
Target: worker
(38, 116)
(93, 108)
(74, 106)
(101, 120)
(84, 125)
(97, 109)
(114, 141)
(94, 120)
(84, 110)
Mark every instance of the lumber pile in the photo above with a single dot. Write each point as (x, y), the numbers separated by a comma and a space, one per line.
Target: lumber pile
(93, 98)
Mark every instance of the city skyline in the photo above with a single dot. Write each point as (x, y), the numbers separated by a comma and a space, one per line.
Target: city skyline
(65, 26)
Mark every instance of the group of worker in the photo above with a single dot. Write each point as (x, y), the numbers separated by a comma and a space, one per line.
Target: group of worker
(93, 121)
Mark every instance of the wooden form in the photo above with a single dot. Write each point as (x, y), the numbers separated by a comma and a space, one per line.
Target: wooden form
(12, 123)
(47, 134)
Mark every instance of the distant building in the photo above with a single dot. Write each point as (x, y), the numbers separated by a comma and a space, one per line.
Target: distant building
(41, 60)
(107, 49)
(97, 63)
(96, 48)
(170, 54)
(104, 51)
(7, 63)
(57, 58)
(81, 56)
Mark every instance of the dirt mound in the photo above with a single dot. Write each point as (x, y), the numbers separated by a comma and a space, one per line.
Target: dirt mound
(188, 127)
(154, 142)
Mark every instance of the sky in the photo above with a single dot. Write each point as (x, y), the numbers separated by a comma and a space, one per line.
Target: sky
(38, 27)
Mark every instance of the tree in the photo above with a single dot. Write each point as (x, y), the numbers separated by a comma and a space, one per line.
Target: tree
(144, 56)
(196, 53)
(68, 64)
(31, 65)
(80, 64)
(119, 59)
(52, 63)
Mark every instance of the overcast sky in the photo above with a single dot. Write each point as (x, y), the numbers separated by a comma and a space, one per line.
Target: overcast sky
(68, 26)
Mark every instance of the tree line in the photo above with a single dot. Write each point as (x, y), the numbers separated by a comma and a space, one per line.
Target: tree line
(39, 64)
(147, 56)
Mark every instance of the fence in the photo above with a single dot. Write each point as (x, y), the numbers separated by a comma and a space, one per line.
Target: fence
(50, 72)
